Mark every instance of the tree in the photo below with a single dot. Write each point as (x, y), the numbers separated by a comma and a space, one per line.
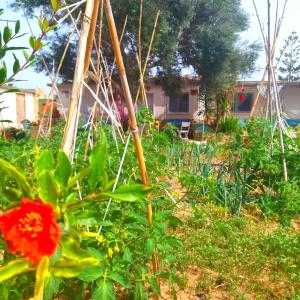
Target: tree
(212, 46)
(173, 17)
(201, 34)
(290, 59)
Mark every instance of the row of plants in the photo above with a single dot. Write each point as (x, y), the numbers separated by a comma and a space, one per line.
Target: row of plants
(241, 170)
(91, 257)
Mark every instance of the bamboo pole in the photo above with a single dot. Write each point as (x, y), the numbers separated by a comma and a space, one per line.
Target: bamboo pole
(279, 119)
(269, 60)
(148, 55)
(74, 110)
(131, 114)
(91, 36)
(265, 46)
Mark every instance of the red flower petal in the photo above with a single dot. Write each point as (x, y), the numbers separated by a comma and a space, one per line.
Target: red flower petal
(31, 230)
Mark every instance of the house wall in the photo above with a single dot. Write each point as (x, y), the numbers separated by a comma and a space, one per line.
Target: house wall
(252, 89)
(290, 96)
(10, 113)
(291, 102)
(161, 104)
(30, 107)
(86, 105)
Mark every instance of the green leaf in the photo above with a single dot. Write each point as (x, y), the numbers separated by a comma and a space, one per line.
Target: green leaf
(44, 162)
(98, 161)
(95, 253)
(45, 24)
(18, 177)
(154, 285)
(127, 256)
(77, 177)
(91, 274)
(6, 34)
(52, 27)
(42, 273)
(47, 188)
(105, 290)
(63, 169)
(3, 74)
(26, 56)
(120, 280)
(150, 246)
(15, 48)
(51, 287)
(32, 42)
(12, 195)
(71, 198)
(2, 53)
(14, 268)
(130, 193)
(16, 66)
(54, 4)
(72, 250)
(73, 268)
(17, 27)
(140, 292)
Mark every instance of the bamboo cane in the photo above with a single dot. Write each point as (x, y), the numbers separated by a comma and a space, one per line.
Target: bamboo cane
(71, 125)
(91, 36)
(265, 46)
(131, 114)
(140, 31)
(148, 55)
(285, 174)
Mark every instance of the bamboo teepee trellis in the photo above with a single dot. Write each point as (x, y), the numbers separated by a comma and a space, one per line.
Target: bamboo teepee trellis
(273, 99)
(81, 70)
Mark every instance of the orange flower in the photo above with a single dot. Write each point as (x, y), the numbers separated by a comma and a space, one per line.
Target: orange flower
(31, 229)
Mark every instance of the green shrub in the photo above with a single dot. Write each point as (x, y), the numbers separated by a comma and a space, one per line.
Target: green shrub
(230, 125)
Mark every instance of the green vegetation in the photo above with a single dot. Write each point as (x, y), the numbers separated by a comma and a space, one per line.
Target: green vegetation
(238, 257)
(238, 235)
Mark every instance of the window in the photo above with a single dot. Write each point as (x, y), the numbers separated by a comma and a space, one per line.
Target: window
(179, 104)
(242, 104)
(150, 99)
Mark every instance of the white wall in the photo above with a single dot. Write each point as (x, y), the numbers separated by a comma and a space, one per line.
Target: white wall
(29, 107)
(291, 101)
(10, 112)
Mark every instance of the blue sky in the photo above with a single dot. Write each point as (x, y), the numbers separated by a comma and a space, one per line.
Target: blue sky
(290, 24)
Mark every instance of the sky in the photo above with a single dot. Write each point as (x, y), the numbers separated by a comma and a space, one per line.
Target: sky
(290, 23)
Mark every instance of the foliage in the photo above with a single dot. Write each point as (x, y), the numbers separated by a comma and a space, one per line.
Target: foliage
(211, 45)
(230, 125)
(289, 68)
(121, 245)
(235, 257)
(35, 44)
(200, 34)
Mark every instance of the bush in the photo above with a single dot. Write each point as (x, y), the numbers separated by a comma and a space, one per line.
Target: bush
(230, 125)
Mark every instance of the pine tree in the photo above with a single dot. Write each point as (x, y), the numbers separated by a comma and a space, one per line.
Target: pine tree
(289, 60)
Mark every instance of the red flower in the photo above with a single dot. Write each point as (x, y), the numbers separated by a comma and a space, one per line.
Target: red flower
(31, 229)
(242, 97)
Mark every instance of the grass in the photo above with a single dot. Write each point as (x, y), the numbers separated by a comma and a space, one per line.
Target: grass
(238, 257)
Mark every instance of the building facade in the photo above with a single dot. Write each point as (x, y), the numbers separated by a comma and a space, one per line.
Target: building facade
(18, 106)
(187, 105)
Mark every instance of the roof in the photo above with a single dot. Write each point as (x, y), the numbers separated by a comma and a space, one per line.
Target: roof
(255, 83)
(20, 90)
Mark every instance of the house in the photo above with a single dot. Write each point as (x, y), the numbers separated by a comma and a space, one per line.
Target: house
(18, 106)
(187, 105)
(246, 92)
(163, 107)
